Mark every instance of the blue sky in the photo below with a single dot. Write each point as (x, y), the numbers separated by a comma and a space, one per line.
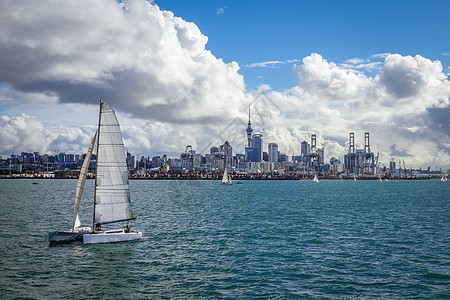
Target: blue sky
(183, 72)
(258, 31)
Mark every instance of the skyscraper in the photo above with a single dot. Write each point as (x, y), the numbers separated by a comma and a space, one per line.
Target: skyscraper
(248, 153)
(256, 144)
(273, 152)
(305, 148)
(228, 152)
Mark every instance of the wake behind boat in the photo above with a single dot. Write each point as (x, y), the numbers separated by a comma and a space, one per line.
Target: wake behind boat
(112, 192)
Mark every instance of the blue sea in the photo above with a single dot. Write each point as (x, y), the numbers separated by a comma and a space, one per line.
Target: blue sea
(256, 240)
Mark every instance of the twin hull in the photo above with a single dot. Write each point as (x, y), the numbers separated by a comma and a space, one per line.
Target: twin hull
(110, 236)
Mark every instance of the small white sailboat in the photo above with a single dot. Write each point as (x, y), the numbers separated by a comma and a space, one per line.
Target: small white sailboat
(354, 177)
(316, 179)
(112, 192)
(444, 178)
(226, 179)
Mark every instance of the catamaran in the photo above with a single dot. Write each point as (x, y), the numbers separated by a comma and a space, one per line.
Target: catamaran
(226, 179)
(112, 192)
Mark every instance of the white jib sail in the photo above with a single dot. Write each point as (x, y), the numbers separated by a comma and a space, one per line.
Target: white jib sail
(80, 184)
(112, 191)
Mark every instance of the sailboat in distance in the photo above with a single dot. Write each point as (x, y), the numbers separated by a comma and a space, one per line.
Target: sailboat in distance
(112, 192)
(316, 179)
(226, 179)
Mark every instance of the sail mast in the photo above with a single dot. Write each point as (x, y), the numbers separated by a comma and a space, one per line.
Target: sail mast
(96, 162)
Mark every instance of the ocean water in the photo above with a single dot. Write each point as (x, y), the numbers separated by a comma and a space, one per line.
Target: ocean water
(256, 240)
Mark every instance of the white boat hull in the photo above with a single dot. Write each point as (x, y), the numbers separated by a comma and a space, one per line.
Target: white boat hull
(110, 236)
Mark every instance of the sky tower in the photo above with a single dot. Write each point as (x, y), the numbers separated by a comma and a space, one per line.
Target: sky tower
(249, 129)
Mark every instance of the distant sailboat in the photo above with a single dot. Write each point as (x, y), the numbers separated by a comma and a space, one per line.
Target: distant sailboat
(354, 178)
(226, 179)
(316, 179)
(444, 178)
(112, 193)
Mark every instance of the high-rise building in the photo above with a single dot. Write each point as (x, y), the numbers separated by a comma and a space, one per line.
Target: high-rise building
(305, 148)
(248, 153)
(273, 152)
(69, 158)
(256, 144)
(228, 152)
(284, 157)
(213, 150)
(321, 153)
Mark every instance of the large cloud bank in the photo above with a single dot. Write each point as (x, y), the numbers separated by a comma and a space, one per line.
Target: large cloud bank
(404, 106)
(145, 61)
(170, 91)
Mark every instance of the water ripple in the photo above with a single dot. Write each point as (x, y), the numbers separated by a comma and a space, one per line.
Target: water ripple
(261, 239)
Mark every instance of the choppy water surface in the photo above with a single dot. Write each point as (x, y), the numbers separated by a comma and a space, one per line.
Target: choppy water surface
(259, 239)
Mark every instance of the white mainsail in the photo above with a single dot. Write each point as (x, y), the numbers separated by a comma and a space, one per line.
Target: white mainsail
(316, 179)
(225, 176)
(226, 179)
(80, 184)
(112, 191)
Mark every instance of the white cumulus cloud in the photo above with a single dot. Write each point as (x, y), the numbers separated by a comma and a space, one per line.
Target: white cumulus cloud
(145, 61)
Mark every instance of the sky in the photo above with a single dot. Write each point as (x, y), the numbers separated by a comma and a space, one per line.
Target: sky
(183, 73)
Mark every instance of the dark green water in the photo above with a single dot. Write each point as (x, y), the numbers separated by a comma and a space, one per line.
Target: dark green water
(260, 239)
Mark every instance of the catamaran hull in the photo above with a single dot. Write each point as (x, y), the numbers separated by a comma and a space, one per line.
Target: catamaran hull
(64, 236)
(110, 237)
(68, 235)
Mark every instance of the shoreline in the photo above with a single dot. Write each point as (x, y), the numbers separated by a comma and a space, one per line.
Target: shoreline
(234, 179)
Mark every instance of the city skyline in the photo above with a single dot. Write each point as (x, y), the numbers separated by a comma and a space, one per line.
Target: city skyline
(184, 74)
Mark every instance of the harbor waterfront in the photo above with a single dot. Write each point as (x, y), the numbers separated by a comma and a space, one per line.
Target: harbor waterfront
(259, 239)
